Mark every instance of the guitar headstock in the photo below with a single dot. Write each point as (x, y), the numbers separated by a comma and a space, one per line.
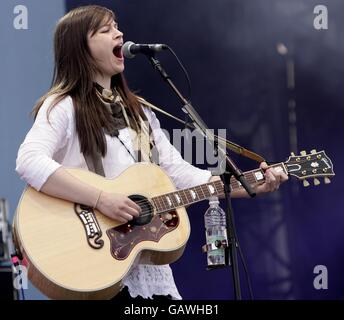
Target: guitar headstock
(313, 165)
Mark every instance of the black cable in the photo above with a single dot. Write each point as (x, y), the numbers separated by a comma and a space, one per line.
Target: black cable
(247, 274)
(23, 295)
(184, 70)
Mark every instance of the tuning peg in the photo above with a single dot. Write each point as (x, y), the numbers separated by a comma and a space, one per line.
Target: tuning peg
(303, 153)
(305, 183)
(327, 180)
(292, 154)
(313, 151)
(316, 182)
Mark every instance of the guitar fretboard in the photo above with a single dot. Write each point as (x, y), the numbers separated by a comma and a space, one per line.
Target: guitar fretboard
(184, 197)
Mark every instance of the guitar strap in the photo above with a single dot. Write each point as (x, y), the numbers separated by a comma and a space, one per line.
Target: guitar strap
(229, 144)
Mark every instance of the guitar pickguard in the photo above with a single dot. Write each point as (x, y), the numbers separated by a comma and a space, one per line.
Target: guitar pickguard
(125, 237)
(90, 223)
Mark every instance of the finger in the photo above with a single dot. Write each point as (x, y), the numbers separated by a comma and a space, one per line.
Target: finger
(121, 219)
(127, 216)
(263, 188)
(284, 177)
(264, 166)
(268, 176)
(133, 205)
(271, 180)
(275, 174)
(131, 211)
(279, 178)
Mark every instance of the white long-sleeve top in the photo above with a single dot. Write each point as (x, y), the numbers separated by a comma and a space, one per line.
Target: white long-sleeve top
(50, 145)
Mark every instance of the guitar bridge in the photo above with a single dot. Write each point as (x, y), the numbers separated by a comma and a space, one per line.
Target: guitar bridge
(91, 226)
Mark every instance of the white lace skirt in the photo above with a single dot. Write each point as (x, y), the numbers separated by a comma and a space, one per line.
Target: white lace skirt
(146, 280)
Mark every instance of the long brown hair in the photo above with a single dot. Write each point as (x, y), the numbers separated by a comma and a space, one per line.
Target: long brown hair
(73, 75)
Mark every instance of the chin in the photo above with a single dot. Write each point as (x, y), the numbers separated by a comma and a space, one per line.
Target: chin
(118, 70)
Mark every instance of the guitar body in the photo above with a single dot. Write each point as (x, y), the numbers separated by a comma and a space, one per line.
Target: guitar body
(62, 264)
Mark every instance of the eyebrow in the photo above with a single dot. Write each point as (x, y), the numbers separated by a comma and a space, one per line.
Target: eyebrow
(110, 23)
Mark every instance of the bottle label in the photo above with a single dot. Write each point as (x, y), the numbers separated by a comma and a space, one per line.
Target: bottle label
(216, 257)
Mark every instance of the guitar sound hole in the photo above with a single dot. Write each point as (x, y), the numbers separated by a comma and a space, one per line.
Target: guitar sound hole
(146, 214)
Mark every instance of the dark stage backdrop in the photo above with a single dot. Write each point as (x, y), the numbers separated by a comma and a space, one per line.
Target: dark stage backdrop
(235, 52)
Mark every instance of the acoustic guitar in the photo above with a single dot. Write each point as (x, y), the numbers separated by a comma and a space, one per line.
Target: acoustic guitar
(74, 252)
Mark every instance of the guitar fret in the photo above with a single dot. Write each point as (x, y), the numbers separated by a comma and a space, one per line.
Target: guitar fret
(216, 184)
(235, 184)
(173, 199)
(165, 204)
(201, 194)
(192, 194)
(250, 177)
(199, 190)
(196, 192)
(280, 167)
(188, 195)
(169, 202)
(177, 197)
(184, 197)
(259, 176)
(211, 189)
(219, 187)
(205, 191)
(156, 204)
(162, 203)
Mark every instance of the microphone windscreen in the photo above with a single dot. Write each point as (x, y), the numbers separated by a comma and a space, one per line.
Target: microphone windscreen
(126, 49)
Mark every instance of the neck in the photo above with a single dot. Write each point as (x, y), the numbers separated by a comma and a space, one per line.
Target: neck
(181, 198)
(104, 81)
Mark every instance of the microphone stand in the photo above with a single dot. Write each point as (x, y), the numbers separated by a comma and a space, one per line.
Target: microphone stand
(230, 170)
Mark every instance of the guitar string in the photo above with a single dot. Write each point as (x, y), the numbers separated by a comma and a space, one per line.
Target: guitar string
(147, 212)
(146, 202)
(162, 204)
(251, 180)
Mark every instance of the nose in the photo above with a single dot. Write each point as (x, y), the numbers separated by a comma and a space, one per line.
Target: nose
(117, 34)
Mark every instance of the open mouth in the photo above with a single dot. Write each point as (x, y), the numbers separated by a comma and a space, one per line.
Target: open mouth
(117, 51)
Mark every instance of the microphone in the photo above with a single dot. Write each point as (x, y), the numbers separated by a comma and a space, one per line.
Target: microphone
(130, 49)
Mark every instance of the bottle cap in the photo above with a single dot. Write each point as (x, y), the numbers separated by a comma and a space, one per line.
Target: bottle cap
(214, 200)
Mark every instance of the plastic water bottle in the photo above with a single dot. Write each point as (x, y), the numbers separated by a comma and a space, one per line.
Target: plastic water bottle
(215, 230)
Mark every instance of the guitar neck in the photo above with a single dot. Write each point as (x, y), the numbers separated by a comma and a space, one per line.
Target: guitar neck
(185, 197)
